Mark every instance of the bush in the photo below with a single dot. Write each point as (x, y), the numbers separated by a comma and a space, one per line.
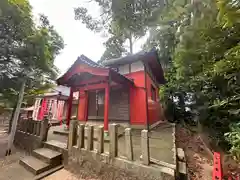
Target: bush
(233, 137)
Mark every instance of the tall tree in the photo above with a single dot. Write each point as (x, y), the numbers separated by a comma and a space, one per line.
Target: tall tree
(26, 51)
(123, 20)
(203, 74)
(25, 48)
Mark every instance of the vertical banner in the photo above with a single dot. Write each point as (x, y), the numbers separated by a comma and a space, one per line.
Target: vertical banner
(54, 109)
(49, 108)
(60, 110)
(42, 109)
(36, 108)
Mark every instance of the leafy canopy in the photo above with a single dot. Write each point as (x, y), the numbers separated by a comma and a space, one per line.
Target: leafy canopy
(26, 50)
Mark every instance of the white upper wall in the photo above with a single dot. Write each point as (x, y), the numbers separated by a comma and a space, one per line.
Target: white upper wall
(123, 69)
(137, 66)
(129, 68)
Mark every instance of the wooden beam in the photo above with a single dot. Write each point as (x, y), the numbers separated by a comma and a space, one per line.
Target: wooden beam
(93, 86)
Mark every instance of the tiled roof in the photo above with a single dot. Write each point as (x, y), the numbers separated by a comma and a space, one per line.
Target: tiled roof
(142, 55)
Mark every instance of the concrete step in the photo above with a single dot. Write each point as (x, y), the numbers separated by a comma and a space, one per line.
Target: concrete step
(49, 156)
(55, 145)
(34, 165)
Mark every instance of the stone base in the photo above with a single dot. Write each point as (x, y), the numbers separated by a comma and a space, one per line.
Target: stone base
(102, 165)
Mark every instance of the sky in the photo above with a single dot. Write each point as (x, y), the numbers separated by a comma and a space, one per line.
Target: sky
(77, 38)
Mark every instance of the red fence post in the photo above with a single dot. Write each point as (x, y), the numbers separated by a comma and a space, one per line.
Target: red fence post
(217, 166)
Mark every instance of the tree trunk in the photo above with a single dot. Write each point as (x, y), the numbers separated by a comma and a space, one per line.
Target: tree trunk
(15, 118)
(11, 119)
(130, 43)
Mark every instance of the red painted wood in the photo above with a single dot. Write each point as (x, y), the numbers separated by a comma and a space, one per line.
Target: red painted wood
(93, 87)
(85, 68)
(82, 106)
(217, 167)
(94, 79)
(155, 111)
(138, 114)
(106, 108)
(138, 78)
(70, 99)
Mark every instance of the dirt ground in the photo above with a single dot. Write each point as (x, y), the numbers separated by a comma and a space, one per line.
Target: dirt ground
(63, 175)
(199, 164)
(199, 159)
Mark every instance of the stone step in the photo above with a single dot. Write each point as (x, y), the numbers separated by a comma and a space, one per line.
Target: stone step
(55, 145)
(48, 172)
(34, 165)
(49, 156)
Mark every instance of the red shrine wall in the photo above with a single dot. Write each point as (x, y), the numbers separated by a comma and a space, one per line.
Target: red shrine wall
(137, 101)
(154, 107)
(138, 109)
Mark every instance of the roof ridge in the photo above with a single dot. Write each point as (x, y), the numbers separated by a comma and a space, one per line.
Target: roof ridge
(89, 61)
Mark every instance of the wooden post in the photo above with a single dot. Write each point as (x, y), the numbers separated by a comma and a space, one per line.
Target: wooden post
(25, 128)
(38, 126)
(128, 144)
(106, 108)
(34, 127)
(217, 166)
(89, 137)
(145, 146)
(20, 124)
(29, 126)
(81, 136)
(72, 134)
(44, 129)
(86, 106)
(113, 146)
(100, 144)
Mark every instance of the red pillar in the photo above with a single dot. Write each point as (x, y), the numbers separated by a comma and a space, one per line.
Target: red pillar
(106, 108)
(70, 99)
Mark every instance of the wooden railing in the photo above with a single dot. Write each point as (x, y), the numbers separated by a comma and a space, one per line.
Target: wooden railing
(29, 126)
(30, 133)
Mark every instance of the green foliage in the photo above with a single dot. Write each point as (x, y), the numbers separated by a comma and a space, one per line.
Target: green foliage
(204, 64)
(234, 138)
(26, 50)
(114, 48)
(123, 22)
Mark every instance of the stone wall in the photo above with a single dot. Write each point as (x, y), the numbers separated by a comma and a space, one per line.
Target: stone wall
(84, 160)
(101, 166)
(31, 134)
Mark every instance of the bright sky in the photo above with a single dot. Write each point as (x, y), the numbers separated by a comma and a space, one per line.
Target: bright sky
(77, 38)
